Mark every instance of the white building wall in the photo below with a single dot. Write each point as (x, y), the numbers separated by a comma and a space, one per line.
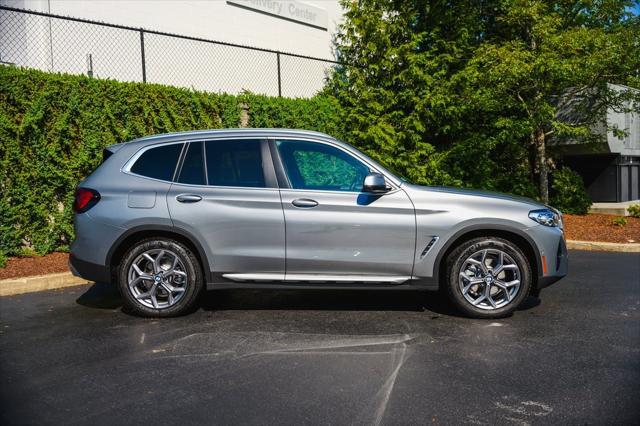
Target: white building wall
(64, 46)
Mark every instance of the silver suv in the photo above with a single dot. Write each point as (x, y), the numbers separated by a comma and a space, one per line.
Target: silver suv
(167, 216)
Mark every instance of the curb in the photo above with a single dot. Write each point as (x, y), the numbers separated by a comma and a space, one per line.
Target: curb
(598, 246)
(13, 286)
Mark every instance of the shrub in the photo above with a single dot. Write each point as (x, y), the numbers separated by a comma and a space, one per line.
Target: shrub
(568, 192)
(619, 222)
(634, 210)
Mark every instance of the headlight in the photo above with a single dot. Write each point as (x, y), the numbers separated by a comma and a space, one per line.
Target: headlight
(546, 217)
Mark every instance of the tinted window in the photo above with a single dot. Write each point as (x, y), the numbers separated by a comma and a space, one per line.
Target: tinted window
(158, 163)
(192, 171)
(311, 165)
(235, 163)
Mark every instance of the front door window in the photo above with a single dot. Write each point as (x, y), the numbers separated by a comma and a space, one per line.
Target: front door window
(317, 166)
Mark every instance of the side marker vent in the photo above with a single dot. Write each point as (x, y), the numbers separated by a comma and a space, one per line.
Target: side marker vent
(428, 247)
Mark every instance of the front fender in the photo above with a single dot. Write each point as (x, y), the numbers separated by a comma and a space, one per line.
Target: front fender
(427, 267)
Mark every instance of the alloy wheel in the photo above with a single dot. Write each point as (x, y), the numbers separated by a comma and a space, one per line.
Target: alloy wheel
(157, 278)
(489, 279)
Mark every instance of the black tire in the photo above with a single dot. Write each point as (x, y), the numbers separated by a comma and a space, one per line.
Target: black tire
(193, 284)
(456, 260)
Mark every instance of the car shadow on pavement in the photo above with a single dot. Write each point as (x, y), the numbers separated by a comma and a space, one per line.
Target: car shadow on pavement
(106, 296)
(101, 296)
(336, 300)
(347, 300)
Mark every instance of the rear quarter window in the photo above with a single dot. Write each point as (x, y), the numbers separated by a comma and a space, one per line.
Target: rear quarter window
(159, 162)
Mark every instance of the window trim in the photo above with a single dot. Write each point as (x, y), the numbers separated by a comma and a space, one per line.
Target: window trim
(268, 169)
(275, 175)
(282, 173)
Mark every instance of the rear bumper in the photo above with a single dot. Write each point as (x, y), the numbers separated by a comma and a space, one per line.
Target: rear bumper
(89, 271)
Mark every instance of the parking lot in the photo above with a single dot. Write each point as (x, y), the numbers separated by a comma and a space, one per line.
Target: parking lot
(341, 357)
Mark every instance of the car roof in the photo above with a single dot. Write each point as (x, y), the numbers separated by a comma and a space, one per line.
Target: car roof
(216, 133)
(197, 135)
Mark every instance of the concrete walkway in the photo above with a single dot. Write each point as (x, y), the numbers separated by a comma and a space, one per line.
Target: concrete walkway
(618, 209)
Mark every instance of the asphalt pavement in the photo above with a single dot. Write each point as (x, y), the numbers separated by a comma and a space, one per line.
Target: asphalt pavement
(329, 357)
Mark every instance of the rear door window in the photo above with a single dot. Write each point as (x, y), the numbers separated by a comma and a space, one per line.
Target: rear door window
(192, 171)
(158, 162)
(235, 162)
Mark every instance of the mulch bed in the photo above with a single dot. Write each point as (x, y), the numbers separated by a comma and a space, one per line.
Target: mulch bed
(593, 227)
(27, 266)
(599, 227)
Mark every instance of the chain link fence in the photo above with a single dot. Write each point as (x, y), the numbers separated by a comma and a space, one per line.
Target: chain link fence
(78, 46)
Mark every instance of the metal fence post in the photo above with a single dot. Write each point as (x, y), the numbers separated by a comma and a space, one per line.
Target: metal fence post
(279, 77)
(144, 61)
(65, 56)
(89, 65)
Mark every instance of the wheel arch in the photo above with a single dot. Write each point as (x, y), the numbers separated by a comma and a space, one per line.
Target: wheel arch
(516, 236)
(138, 233)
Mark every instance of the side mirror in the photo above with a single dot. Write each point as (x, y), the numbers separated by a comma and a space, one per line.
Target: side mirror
(375, 183)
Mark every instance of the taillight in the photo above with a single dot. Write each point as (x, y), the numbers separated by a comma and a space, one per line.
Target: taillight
(85, 199)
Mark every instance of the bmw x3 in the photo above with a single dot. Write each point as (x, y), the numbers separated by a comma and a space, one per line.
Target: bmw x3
(168, 216)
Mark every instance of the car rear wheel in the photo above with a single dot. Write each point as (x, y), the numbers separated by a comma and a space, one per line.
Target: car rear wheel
(160, 277)
(488, 277)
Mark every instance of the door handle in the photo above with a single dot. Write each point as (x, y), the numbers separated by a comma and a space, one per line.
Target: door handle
(304, 203)
(188, 198)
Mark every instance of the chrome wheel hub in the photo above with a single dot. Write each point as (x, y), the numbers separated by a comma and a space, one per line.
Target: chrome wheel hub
(157, 278)
(489, 279)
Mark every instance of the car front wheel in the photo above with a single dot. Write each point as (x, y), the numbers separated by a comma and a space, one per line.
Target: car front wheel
(488, 277)
(160, 277)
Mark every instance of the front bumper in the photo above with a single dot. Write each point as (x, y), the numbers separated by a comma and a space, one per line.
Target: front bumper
(553, 257)
(560, 266)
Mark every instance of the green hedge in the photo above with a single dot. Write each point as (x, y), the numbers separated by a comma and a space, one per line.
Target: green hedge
(53, 128)
(321, 113)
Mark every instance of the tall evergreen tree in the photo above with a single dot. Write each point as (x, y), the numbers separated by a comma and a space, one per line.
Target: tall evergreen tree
(468, 92)
(396, 86)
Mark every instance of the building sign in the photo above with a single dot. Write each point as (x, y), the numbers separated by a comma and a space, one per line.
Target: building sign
(290, 10)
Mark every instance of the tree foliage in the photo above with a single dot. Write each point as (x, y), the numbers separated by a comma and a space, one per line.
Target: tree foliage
(568, 193)
(469, 92)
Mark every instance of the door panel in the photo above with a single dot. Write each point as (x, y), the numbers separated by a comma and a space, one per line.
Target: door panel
(239, 220)
(349, 233)
(242, 229)
(331, 227)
